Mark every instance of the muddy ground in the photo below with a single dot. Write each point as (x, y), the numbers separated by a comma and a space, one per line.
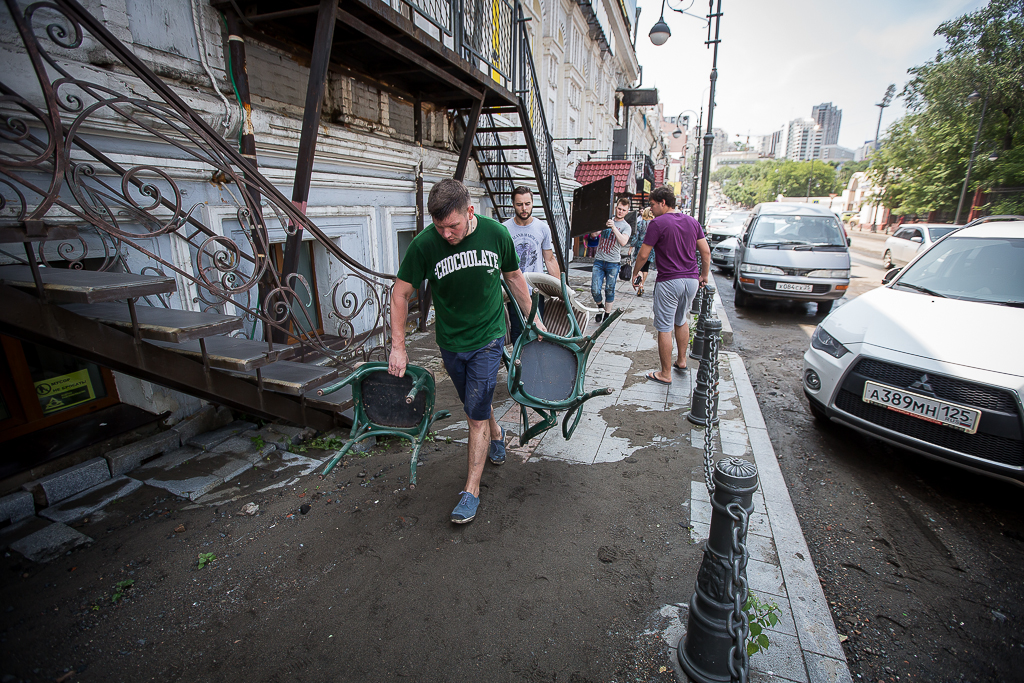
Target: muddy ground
(560, 577)
(920, 561)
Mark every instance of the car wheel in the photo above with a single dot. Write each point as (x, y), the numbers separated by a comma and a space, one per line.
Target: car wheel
(887, 260)
(825, 306)
(818, 413)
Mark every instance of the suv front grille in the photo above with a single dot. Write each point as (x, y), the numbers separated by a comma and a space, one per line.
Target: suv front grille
(948, 388)
(986, 446)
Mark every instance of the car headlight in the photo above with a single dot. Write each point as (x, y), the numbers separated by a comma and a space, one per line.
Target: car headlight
(845, 274)
(823, 341)
(764, 270)
(723, 250)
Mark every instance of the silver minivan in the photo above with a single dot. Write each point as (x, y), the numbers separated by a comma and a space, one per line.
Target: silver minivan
(792, 251)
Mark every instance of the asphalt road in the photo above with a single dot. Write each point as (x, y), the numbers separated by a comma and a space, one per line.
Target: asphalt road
(919, 560)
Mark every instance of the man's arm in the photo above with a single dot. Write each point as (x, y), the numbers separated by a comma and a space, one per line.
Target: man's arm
(520, 290)
(641, 259)
(551, 263)
(401, 293)
(705, 260)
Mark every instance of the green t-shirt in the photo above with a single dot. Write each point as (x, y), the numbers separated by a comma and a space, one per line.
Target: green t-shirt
(465, 280)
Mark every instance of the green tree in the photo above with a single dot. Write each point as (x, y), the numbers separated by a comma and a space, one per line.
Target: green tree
(750, 184)
(923, 160)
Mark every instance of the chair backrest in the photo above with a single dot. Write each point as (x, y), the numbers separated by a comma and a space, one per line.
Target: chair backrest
(383, 397)
(549, 370)
(555, 307)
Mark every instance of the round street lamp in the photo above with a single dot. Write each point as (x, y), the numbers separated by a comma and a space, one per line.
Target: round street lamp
(660, 32)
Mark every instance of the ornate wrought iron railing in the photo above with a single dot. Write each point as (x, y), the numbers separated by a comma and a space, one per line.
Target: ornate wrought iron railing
(63, 161)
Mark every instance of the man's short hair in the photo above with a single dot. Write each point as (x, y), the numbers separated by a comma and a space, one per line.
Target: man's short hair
(664, 194)
(447, 197)
(623, 201)
(522, 189)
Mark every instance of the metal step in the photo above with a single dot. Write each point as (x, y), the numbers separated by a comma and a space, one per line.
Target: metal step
(500, 109)
(490, 148)
(165, 324)
(226, 353)
(63, 285)
(287, 377)
(499, 129)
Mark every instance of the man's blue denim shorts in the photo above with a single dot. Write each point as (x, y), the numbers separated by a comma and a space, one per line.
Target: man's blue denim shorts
(475, 374)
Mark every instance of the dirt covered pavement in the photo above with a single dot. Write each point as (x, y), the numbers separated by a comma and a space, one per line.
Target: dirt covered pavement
(920, 561)
(560, 577)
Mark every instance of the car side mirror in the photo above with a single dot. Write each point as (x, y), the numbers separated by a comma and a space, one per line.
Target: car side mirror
(890, 274)
(917, 238)
(849, 241)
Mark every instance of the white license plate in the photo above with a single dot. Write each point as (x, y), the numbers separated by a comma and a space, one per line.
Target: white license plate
(793, 287)
(933, 410)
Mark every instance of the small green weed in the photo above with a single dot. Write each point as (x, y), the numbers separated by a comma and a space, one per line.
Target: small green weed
(760, 615)
(327, 443)
(120, 589)
(205, 559)
(258, 441)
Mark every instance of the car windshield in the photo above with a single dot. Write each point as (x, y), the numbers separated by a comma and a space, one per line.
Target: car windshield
(974, 268)
(735, 218)
(791, 230)
(936, 233)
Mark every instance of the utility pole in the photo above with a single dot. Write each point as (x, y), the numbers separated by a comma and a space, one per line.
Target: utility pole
(886, 100)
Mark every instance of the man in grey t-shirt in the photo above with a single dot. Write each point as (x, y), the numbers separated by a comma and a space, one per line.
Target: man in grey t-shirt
(606, 261)
(532, 238)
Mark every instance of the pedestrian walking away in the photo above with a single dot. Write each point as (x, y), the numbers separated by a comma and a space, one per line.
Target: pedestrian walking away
(678, 238)
(608, 257)
(463, 256)
(532, 239)
(593, 239)
(635, 242)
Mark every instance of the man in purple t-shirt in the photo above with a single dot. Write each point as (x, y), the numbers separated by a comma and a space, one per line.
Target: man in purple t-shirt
(677, 238)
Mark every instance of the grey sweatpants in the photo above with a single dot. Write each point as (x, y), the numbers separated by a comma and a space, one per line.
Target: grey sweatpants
(672, 301)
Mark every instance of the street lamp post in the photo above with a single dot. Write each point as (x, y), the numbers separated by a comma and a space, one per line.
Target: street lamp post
(973, 97)
(886, 100)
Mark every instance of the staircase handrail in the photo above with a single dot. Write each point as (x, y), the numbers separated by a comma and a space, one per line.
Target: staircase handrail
(84, 186)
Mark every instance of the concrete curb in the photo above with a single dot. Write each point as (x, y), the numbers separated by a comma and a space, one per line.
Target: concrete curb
(726, 325)
(824, 658)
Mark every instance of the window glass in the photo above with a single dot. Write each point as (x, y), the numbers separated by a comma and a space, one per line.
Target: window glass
(816, 230)
(972, 268)
(936, 233)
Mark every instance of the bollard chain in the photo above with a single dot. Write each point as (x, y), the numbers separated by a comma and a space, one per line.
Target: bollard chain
(708, 436)
(736, 588)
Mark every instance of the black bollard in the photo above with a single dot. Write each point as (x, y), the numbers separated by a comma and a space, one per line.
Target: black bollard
(706, 651)
(707, 379)
(705, 297)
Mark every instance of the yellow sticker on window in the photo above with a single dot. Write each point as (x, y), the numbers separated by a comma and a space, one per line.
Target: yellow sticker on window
(64, 391)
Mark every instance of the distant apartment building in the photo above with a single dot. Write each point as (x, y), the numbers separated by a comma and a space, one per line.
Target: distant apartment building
(828, 116)
(721, 143)
(768, 146)
(836, 153)
(864, 151)
(803, 140)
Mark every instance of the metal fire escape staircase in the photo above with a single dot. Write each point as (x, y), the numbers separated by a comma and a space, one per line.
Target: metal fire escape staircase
(512, 147)
(62, 194)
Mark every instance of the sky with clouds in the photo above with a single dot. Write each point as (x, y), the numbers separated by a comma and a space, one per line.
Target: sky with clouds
(778, 59)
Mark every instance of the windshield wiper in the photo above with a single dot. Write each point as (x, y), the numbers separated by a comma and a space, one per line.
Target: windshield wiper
(921, 289)
(775, 244)
(1014, 304)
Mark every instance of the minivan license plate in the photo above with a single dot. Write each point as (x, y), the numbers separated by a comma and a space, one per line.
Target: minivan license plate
(933, 410)
(793, 287)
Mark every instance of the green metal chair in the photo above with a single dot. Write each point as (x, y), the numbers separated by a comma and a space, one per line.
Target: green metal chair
(385, 405)
(546, 371)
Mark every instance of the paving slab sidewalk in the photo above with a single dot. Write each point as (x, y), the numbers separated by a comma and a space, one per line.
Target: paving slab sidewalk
(805, 646)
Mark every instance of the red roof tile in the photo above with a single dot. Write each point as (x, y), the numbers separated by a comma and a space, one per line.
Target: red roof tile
(589, 171)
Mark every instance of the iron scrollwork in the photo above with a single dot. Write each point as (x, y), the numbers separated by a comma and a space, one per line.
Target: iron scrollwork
(63, 162)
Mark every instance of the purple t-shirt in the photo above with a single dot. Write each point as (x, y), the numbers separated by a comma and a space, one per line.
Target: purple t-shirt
(674, 237)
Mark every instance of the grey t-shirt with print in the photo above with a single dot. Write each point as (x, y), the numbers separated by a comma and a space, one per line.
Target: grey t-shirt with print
(608, 248)
(531, 241)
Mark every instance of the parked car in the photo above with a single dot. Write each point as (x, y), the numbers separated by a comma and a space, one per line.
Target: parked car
(932, 361)
(728, 226)
(792, 251)
(723, 254)
(909, 240)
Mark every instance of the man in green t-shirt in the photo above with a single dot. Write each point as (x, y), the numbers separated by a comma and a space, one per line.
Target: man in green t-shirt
(463, 256)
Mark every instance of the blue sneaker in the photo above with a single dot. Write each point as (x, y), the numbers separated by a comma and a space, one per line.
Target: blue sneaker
(465, 511)
(497, 452)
